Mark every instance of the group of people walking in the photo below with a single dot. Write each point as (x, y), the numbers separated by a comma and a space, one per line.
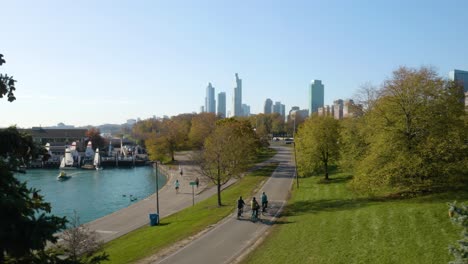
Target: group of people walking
(254, 205)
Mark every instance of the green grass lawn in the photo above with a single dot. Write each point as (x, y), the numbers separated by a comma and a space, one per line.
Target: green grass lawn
(324, 223)
(148, 240)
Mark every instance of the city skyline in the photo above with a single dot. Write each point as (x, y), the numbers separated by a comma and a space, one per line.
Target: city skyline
(92, 63)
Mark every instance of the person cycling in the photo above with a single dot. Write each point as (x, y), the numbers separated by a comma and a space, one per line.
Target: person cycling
(240, 206)
(264, 202)
(254, 205)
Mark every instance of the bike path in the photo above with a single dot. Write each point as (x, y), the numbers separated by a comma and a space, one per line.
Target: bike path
(227, 241)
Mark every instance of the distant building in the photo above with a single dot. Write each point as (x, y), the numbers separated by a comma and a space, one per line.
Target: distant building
(460, 77)
(210, 103)
(316, 96)
(58, 137)
(202, 109)
(59, 126)
(348, 108)
(237, 99)
(338, 109)
(293, 109)
(245, 110)
(297, 112)
(131, 122)
(279, 108)
(222, 104)
(268, 106)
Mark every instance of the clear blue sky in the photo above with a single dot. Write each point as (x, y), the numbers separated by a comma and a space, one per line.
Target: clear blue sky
(95, 62)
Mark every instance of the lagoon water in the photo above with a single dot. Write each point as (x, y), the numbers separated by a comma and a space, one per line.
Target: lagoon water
(93, 194)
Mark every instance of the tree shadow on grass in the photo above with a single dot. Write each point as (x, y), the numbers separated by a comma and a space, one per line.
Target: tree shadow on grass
(334, 205)
(336, 180)
(323, 205)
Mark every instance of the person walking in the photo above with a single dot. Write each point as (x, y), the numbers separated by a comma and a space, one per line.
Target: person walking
(177, 184)
(264, 202)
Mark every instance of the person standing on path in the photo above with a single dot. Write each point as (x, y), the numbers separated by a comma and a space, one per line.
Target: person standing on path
(264, 202)
(177, 184)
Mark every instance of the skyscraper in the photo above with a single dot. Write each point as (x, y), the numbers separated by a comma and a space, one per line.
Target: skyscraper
(279, 108)
(210, 103)
(316, 96)
(460, 77)
(245, 110)
(222, 104)
(268, 106)
(237, 99)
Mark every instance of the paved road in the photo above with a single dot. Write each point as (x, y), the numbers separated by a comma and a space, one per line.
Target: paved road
(230, 238)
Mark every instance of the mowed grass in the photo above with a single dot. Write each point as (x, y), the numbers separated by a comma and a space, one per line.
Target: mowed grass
(324, 223)
(148, 240)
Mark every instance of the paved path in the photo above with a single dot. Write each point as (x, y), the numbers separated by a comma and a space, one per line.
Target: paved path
(137, 215)
(227, 241)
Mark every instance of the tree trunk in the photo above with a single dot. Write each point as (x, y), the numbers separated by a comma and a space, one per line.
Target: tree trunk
(219, 189)
(326, 169)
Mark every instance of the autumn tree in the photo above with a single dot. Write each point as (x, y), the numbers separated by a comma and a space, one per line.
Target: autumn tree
(317, 144)
(202, 126)
(227, 152)
(415, 134)
(170, 135)
(94, 135)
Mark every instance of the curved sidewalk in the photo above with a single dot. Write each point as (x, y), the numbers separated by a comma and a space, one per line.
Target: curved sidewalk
(137, 215)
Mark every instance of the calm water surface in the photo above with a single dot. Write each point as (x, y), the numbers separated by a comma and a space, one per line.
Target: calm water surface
(93, 194)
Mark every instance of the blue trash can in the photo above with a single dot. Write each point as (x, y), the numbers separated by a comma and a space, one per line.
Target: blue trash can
(154, 219)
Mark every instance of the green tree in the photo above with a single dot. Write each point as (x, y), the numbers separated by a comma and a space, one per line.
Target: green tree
(7, 84)
(459, 216)
(202, 126)
(416, 134)
(26, 223)
(317, 144)
(227, 152)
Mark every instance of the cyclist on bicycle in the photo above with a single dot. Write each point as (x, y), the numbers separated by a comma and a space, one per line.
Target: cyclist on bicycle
(240, 206)
(254, 205)
(264, 202)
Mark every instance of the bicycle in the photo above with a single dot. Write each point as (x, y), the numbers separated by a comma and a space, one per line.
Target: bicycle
(239, 212)
(254, 217)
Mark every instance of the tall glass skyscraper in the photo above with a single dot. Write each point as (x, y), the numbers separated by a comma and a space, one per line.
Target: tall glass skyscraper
(316, 96)
(222, 104)
(210, 103)
(237, 99)
(460, 77)
(268, 106)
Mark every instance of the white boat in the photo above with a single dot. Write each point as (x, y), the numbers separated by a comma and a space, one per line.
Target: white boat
(97, 160)
(88, 158)
(67, 161)
(63, 176)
